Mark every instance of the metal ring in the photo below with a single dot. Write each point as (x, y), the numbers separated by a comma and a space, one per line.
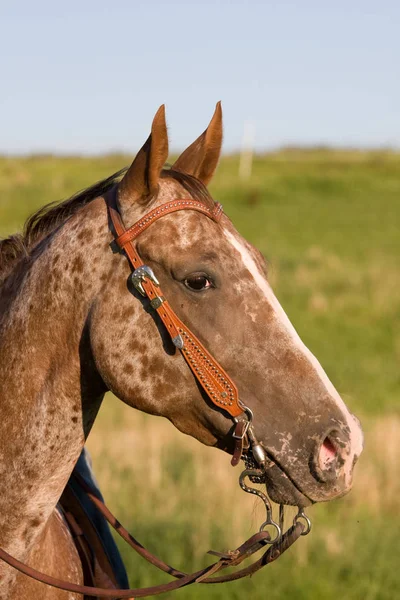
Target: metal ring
(278, 530)
(301, 515)
(249, 413)
(247, 410)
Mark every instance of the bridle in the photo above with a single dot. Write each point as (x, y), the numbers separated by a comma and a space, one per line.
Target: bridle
(215, 382)
(223, 393)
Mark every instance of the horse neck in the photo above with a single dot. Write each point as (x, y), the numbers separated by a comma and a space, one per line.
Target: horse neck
(50, 391)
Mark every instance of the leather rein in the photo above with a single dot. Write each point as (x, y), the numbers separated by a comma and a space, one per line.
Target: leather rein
(223, 393)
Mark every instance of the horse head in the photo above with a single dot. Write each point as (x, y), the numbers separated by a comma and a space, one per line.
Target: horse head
(217, 284)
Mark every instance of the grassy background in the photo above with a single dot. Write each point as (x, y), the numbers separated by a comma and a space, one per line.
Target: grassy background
(328, 222)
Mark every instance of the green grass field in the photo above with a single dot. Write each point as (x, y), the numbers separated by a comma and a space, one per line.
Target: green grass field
(328, 223)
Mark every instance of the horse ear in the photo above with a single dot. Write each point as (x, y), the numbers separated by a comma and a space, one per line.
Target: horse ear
(200, 159)
(143, 175)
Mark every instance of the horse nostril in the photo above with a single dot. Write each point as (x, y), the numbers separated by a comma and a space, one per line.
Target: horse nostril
(327, 458)
(327, 455)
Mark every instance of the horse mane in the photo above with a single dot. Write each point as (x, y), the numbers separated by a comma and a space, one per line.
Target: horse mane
(43, 222)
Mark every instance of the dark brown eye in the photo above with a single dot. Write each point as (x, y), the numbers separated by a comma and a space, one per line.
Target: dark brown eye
(198, 282)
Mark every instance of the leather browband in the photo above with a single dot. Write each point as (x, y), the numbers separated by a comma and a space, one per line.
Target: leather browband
(165, 209)
(216, 383)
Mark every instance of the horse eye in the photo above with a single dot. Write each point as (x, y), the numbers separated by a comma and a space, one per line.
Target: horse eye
(198, 282)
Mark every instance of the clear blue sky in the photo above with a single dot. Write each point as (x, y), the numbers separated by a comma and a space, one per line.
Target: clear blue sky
(88, 76)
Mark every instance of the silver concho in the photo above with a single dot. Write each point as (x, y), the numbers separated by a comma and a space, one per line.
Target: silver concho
(141, 274)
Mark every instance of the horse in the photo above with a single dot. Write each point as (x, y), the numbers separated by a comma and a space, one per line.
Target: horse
(78, 319)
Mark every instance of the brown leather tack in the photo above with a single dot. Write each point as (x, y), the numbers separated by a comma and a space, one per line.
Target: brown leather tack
(239, 435)
(130, 234)
(247, 549)
(100, 572)
(216, 383)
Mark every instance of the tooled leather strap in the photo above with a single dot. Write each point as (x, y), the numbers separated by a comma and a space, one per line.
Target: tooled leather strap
(217, 384)
(130, 234)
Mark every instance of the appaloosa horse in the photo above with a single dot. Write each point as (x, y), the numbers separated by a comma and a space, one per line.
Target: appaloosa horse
(71, 328)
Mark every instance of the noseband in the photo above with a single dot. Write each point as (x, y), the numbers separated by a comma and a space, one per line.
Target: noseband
(223, 393)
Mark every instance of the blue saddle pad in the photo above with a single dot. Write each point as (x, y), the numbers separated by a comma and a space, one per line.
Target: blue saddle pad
(85, 470)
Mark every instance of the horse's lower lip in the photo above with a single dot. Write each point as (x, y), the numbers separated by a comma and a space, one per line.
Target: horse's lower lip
(281, 488)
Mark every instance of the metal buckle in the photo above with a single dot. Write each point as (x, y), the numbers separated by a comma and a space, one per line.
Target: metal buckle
(241, 435)
(139, 275)
(246, 423)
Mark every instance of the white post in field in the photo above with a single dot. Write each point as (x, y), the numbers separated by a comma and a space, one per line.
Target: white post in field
(246, 153)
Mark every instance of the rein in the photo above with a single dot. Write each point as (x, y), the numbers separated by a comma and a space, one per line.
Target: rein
(226, 560)
(223, 393)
